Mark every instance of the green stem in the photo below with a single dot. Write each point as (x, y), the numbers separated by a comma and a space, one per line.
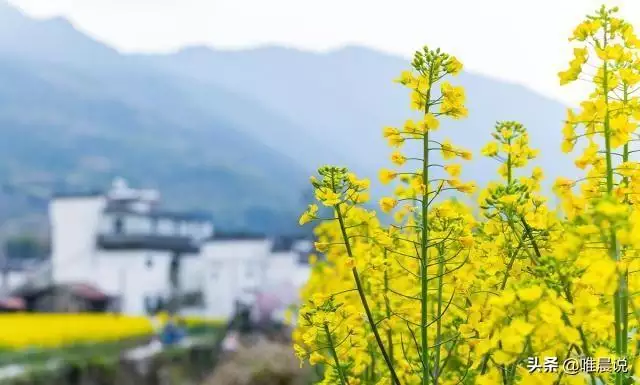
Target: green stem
(336, 360)
(436, 363)
(424, 259)
(511, 372)
(388, 311)
(618, 296)
(624, 276)
(424, 252)
(509, 170)
(624, 309)
(373, 368)
(363, 299)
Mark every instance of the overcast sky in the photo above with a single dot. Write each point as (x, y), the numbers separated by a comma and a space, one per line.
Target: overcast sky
(523, 41)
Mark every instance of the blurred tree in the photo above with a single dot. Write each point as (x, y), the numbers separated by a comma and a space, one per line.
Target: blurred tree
(25, 247)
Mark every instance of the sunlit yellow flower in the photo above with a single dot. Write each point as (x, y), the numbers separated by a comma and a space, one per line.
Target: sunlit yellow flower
(387, 204)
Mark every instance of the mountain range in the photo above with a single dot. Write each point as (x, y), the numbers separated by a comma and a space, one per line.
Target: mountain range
(236, 133)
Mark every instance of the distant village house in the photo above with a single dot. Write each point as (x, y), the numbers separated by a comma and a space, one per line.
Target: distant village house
(119, 250)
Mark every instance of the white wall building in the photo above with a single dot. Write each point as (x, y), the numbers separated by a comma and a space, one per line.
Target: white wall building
(245, 268)
(234, 269)
(124, 245)
(121, 243)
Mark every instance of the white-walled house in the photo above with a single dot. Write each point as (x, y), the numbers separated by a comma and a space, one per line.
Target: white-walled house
(245, 268)
(123, 244)
(287, 271)
(288, 261)
(234, 267)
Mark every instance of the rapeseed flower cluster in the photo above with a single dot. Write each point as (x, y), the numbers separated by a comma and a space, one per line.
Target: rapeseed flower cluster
(429, 290)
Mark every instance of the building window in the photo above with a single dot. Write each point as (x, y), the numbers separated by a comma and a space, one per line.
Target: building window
(149, 263)
(166, 227)
(138, 225)
(118, 225)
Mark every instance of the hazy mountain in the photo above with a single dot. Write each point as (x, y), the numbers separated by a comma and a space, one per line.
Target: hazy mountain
(68, 125)
(234, 132)
(347, 96)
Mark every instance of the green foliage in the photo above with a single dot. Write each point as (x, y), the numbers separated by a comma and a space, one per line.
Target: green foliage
(26, 247)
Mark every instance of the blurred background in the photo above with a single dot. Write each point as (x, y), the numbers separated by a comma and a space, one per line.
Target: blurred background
(154, 161)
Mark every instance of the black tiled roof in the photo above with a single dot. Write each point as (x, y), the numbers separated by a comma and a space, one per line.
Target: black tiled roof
(230, 236)
(283, 244)
(147, 242)
(161, 214)
(187, 216)
(286, 243)
(77, 194)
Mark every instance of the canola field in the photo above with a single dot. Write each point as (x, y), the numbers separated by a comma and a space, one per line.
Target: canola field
(22, 331)
(49, 331)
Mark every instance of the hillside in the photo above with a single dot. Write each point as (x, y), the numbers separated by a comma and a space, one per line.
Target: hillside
(67, 125)
(233, 132)
(347, 96)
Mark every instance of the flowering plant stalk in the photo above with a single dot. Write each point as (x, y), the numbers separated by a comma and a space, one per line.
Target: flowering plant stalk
(435, 295)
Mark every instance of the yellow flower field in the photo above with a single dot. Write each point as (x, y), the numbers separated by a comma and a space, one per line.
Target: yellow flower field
(18, 331)
(33, 330)
(505, 290)
(192, 321)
